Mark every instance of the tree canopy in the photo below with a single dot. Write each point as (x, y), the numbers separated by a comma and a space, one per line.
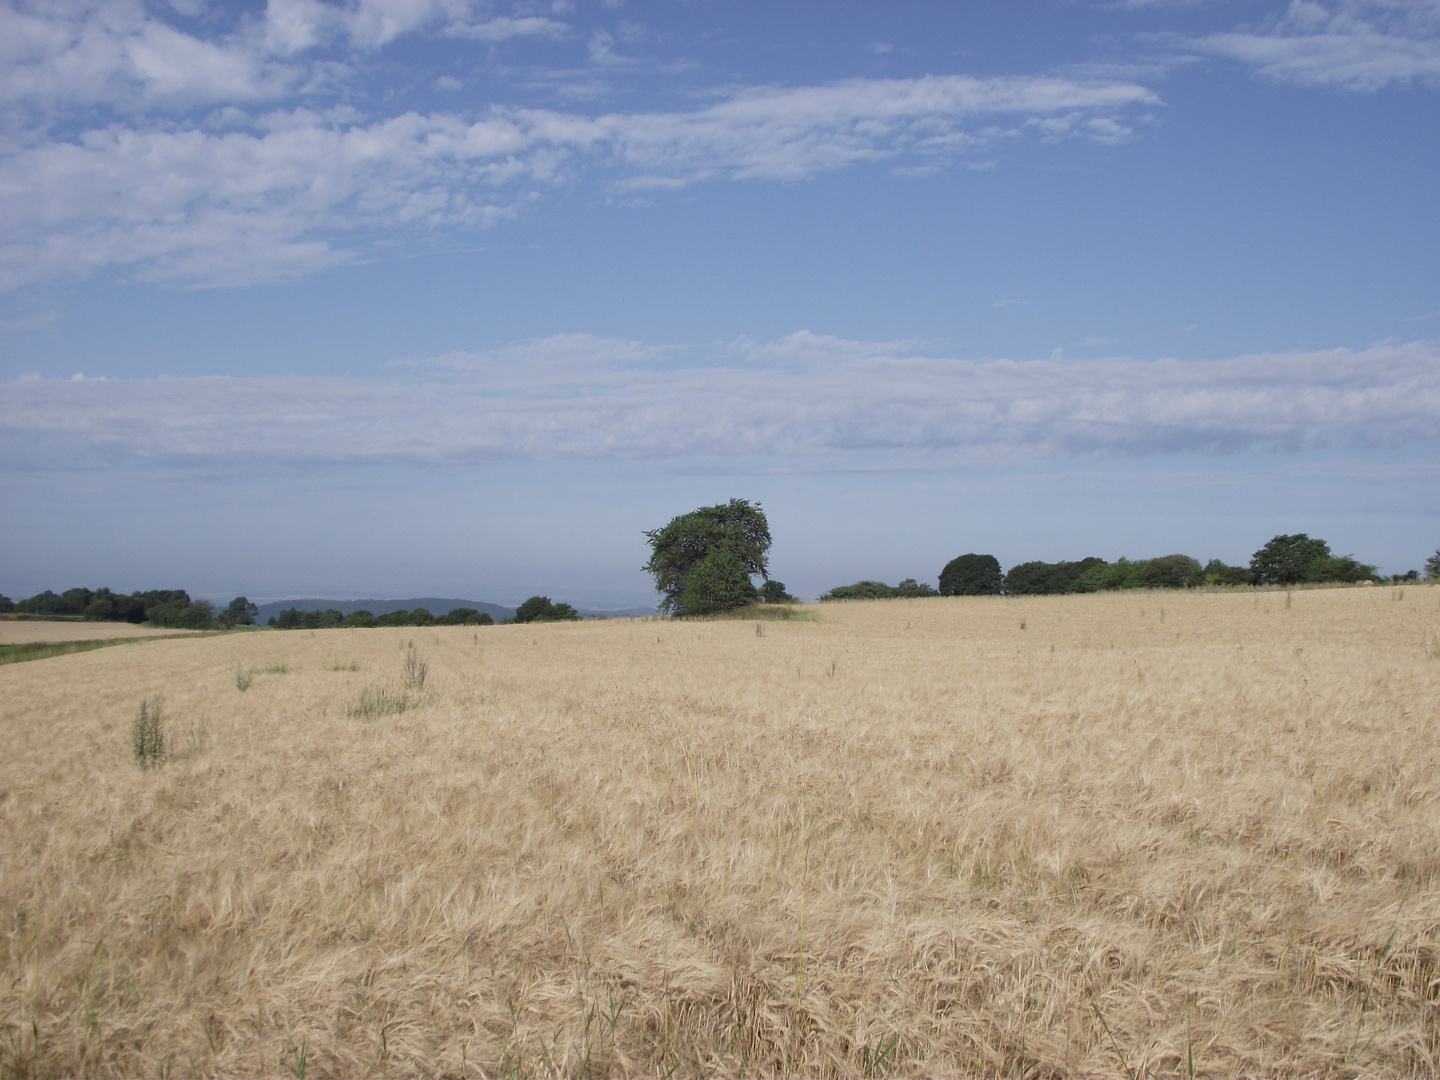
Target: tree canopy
(702, 561)
(543, 609)
(1298, 559)
(774, 592)
(330, 618)
(908, 589)
(241, 612)
(971, 575)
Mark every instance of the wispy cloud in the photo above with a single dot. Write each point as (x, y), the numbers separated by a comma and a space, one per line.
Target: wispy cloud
(272, 198)
(1361, 45)
(113, 52)
(126, 58)
(803, 396)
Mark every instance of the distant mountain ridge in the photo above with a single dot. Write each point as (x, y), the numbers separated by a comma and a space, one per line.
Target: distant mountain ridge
(437, 606)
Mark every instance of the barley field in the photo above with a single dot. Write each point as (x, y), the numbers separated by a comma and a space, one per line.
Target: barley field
(29, 632)
(1124, 835)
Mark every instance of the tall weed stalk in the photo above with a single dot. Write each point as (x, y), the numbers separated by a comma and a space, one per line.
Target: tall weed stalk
(147, 734)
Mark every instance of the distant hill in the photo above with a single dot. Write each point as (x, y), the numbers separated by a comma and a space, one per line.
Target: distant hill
(433, 604)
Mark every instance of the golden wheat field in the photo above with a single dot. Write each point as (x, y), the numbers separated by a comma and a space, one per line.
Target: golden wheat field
(26, 632)
(1138, 834)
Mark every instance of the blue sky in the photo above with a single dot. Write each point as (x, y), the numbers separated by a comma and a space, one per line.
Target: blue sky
(402, 297)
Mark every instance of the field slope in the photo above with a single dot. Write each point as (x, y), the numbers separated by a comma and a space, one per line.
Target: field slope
(1101, 835)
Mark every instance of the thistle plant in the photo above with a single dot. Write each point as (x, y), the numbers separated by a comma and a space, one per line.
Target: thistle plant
(147, 735)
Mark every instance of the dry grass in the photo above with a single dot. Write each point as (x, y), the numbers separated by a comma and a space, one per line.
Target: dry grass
(905, 837)
(30, 631)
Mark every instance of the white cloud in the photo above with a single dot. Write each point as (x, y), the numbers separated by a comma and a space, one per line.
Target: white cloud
(113, 52)
(240, 206)
(804, 396)
(237, 206)
(1353, 44)
(117, 54)
(794, 133)
(503, 29)
(292, 26)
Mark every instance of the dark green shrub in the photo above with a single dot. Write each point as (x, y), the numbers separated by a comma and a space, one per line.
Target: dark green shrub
(1220, 573)
(1289, 560)
(1170, 572)
(718, 582)
(1298, 559)
(861, 590)
(543, 609)
(1103, 576)
(1042, 578)
(910, 588)
(241, 612)
(1346, 568)
(971, 575)
(773, 592)
(464, 616)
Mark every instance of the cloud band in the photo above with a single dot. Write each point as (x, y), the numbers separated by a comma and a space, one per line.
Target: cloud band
(579, 397)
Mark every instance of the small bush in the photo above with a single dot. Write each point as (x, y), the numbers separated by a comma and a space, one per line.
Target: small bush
(1218, 572)
(774, 592)
(381, 701)
(147, 735)
(243, 677)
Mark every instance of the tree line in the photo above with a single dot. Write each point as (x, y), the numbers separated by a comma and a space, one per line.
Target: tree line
(159, 607)
(705, 562)
(331, 619)
(535, 609)
(1294, 559)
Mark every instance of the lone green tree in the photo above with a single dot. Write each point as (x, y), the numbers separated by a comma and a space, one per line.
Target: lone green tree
(774, 592)
(703, 561)
(241, 612)
(1432, 566)
(1289, 560)
(971, 575)
(543, 609)
(1292, 560)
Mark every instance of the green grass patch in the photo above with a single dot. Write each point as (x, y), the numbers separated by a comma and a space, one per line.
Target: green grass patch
(382, 701)
(768, 613)
(43, 650)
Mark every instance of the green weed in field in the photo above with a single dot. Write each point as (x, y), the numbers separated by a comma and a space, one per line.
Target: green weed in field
(376, 701)
(147, 735)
